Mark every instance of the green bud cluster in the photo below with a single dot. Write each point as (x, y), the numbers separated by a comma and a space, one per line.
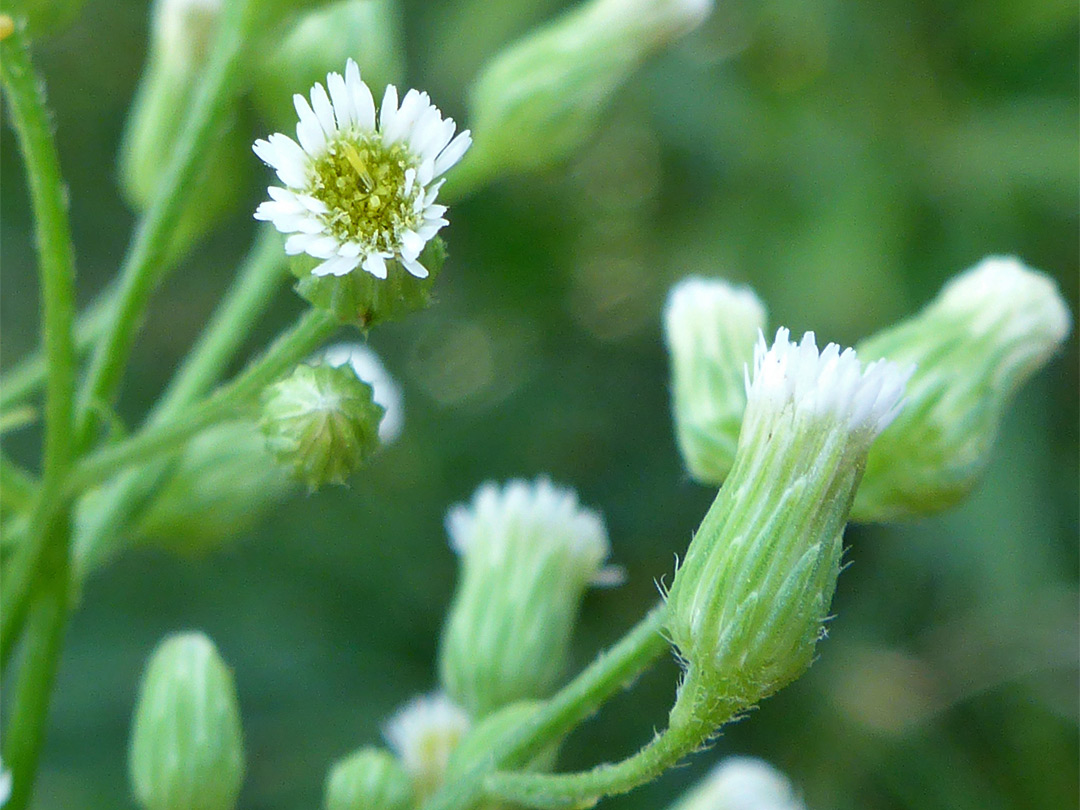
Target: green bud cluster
(369, 779)
(528, 552)
(321, 422)
(710, 328)
(187, 747)
(985, 334)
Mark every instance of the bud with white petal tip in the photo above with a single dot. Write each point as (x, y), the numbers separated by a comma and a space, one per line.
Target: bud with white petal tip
(741, 783)
(987, 332)
(749, 601)
(369, 779)
(542, 97)
(320, 421)
(385, 391)
(528, 552)
(710, 328)
(187, 747)
(424, 733)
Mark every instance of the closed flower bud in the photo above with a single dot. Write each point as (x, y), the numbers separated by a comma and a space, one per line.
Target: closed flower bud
(742, 783)
(224, 481)
(187, 748)
(321, 422)
(541, 98)
(181, 36)
(424, 733)
(370, 779)
(384, 389)
(320, 41)
(710, 328)
(985, 334)
(528, 552)
(749, 601)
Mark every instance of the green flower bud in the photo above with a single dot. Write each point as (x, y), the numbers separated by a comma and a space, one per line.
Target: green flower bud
(181, 36)
(741, 783)
(424, 733)
(370, 779)
(319, 42)
(490, 736)
(528, 552)
(710, 327)
(187, 748)
(749, 601)
(321, 421)
(973, 346)
(541, 98)
(224, 481)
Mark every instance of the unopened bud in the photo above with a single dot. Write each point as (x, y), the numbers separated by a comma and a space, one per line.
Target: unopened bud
(384, 389)
(985, 334)
(187, 747)
(742, 783)
(321, 422)
(542, 97)
(424, 733)
(749, 602)
(710, 327)
(224, 481)
(528, 552)
(320, 41)
(370, 779)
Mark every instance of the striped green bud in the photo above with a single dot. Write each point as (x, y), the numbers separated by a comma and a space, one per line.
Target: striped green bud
(370, 779)
(988, 331)
(741, 783)
(321, 422)
(187, 747)
(528, 552)
(710, 328)
(542, 97)
(749, 602)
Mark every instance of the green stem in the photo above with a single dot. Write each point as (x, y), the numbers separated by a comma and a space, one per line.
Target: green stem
(140, 271)
(580, 698)
(17, 487)
(289, 349)
(41, 655)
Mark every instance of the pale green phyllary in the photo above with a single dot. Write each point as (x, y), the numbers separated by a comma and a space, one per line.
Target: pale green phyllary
(369, 779)
(710, 328)
(187, 747)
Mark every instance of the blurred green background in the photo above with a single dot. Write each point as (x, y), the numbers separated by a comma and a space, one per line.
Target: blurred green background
(843, 158)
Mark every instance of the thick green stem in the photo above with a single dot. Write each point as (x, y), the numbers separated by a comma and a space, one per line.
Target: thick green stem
(292, 347)
(580, 698)
(140, 271)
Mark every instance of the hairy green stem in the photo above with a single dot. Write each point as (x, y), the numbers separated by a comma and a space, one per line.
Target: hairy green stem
(313, 329)
(610, 672)
(140, 271)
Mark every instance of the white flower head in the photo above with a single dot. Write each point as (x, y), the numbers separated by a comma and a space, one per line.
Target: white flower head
(359, 194)
(742, 783)
(830, 385)
(424, 733)
(384, 388)
(531, 515)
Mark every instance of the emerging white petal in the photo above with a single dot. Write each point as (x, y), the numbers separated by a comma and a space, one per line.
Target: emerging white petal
(357, 194)
(742, 783)
(384, 388)
(424, 732)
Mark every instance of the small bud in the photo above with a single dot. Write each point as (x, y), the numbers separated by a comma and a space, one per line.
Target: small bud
(182, 34)
(320, 41)
(385, 391)
(424, 733)
(321, 422)
(742, 783)
(224, 481)
(973, 346)
(528, 552)
(541, 98)
(370, 779)
(710, 327)
(749, 601)
(187, 748)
